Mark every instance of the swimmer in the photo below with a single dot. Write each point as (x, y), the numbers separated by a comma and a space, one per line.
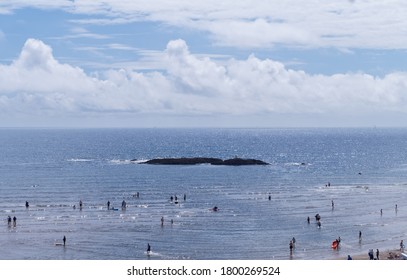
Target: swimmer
(215, 208)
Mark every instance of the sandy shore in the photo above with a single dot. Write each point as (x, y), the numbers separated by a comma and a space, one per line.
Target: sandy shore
(394, 254)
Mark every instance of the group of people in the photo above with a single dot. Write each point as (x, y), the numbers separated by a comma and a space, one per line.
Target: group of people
(175, 198)
(336, 242)
(371, 255)
(14, 221)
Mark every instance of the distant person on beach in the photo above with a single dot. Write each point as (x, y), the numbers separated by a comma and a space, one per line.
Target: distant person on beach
(148, 248)
(185, 197)
(80, 204)
(14, 221)
(171, 198)
(377, 254)
(162, 221)
(401, 246)
(381, 212)
(124, 205)
(108, 205)
(269, 197)
(26, 204)
(349, 258)
(360, 235)
(64, 239)
(396, 208)
(332, 203)
(9, 221)
(308, 220)
(293, 240)
(370, 254)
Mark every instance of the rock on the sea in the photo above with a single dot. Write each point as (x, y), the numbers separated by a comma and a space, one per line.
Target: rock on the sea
(204, 160)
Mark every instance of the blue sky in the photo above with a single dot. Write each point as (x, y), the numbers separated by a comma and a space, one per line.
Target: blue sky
(203, 63)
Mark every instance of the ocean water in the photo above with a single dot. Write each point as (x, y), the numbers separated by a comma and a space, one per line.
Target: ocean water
(53, 169)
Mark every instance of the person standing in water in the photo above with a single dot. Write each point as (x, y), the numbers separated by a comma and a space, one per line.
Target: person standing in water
(108, 205)
(64, 239)
(291, 247)
(148, 248)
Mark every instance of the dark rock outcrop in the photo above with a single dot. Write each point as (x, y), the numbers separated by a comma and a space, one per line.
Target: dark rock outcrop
(204, 160)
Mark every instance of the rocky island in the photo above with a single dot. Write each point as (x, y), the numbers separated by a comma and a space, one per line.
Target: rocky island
(204, 160)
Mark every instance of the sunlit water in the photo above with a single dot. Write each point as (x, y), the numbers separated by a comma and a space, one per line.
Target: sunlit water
(53, 169)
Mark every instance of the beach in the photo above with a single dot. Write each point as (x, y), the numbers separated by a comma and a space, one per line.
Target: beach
(390, 254)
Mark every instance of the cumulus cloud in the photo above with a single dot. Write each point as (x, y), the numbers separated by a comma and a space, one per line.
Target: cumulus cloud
(37, 84)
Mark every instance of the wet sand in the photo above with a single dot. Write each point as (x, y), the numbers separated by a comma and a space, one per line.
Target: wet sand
(391, 254)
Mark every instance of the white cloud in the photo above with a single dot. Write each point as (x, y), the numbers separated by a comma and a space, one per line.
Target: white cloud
(37, 85)
(255, 23)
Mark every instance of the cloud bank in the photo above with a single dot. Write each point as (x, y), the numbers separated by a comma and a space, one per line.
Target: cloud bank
(38, 86)
(256, 23)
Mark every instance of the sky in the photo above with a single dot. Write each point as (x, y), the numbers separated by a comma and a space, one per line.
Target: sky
(182, 63)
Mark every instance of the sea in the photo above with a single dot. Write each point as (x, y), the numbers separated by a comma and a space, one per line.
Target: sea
(354, 178)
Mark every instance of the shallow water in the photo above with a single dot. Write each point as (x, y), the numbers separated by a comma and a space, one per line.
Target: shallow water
(55, 168)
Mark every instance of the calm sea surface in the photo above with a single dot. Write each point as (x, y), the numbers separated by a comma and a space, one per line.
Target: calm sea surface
(53, 169)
